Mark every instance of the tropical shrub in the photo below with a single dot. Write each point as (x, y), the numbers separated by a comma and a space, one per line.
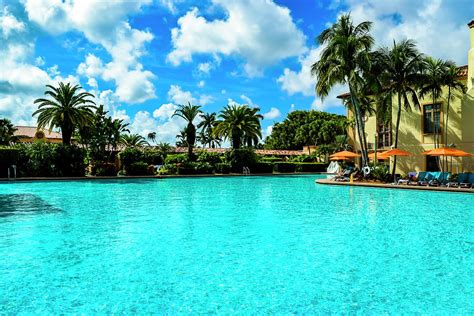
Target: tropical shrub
(152, 156)
(270, 159)
(222, 168)
(284, 167)
(262, 167)
(104, 169)
(242, 157)
(8, 156)
(176, 158)
(311, 167)
(380, 173)
(139, 168)
(212, 158)
(51, 160)
(129, 156)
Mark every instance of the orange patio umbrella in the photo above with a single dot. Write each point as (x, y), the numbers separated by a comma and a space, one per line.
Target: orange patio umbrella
(451, 152)
(339, 158)
(345, 153)
(395, 152)
(379, 156)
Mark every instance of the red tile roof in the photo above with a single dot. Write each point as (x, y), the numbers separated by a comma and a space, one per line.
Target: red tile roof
(30, 131)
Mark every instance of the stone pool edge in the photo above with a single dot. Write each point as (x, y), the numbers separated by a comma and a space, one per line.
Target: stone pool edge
(392, 186)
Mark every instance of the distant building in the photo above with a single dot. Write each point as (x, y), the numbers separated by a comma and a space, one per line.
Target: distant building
(416, 133)
(31, 134)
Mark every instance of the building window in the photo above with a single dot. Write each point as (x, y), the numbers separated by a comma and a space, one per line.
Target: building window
(384, 135)
(432, 163)
(432, 118)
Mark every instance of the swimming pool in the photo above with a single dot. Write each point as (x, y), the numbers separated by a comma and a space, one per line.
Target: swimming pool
(235, 244)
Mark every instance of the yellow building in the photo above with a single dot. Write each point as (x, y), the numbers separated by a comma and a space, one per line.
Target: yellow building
(30, 134)
(416, 134)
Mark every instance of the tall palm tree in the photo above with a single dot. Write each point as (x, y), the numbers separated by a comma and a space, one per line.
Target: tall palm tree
(402, 65)
(344, 59)
(433, 80)
(133, 140)
(152, 137)
(207, 126)
(68, 109)
(451, 80)
(7, 132)
(181, 139)
(117, 128)
(189, 113)
(240, 124)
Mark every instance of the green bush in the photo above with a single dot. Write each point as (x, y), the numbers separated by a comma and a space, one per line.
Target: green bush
(270, 159)
(104, 169)
(222, 168)
(311, 167)
(139, 168)
(131, 155)
(303, 158)
(177, 158)
(239, 158)
(284, 167)
(8, 156)
(152, 156)
(380, 173)
(212, 158)
(51, 160)
(262, 167)
(203, 167)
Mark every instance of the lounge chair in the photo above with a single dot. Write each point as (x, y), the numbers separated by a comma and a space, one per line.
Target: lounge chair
(441, 178)
(460, 178)
(411, 178)
(345, 176)
(425, 179)
(469, 182)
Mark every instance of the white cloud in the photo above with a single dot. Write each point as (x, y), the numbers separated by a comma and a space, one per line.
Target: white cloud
(165, 111)
(9, 23)
(438, 27)
(292, 107)
(249, 31)
(248, 101)
(300, 81)
(201, 84)
(267, 131)
(205, 68)
(179, 96)
(272, 114)
(104, 23)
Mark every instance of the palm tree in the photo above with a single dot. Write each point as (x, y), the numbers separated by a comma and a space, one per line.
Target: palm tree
(344, 60)
(454, 85)
(402, 65)
(433, 80)
(181, 139)
(240, 124)
(189, 113)
(207, 126)
(133, 140)
(67, 109)
(117, 128)
(7, 132)
(152, 136)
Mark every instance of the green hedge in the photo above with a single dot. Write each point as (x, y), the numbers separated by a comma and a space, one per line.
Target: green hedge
(284, 167)
(222, 168)
(262, 167)
(311, 167)
(104, 169)
(139, 168)
(8, 156)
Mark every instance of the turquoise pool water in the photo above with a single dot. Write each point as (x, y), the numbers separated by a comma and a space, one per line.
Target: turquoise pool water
(250, 245)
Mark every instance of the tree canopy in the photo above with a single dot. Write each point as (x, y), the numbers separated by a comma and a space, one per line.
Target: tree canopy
(302, 128)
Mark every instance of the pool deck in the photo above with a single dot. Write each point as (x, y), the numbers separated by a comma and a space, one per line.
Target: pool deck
(393, 186)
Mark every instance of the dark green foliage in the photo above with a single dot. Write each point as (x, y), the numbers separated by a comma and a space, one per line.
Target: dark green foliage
(380, 173)
(222, 168)
(7, 131)
(129, 156)
(51, 160)
(176, 158)
(270, 159)
(302, 128)
(152, 156)
(139, 168)
(311, 167)
(242, 157)
(262, 167)
(212, 158)
(104, 169)
(284, 167)
(8, 156)
(304, 158)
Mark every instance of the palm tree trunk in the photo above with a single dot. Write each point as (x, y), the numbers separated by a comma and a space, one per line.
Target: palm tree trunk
(66, 133)
(397, 126)
(447, 118)
(360, 127)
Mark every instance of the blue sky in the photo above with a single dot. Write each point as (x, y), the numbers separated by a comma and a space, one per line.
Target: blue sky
(141, 58)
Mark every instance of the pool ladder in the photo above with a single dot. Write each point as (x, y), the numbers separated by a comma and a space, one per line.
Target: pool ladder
(12, 167)
(245, 170)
